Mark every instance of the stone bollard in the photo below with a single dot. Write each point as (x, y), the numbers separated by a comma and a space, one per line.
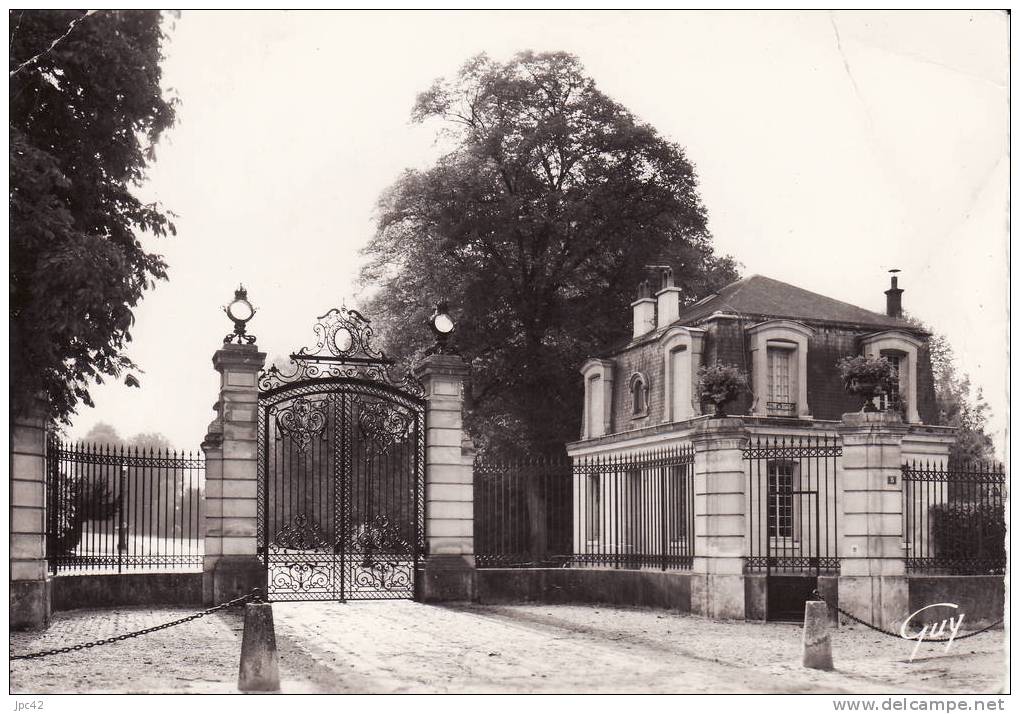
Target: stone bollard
(260, 668)
(817, 642)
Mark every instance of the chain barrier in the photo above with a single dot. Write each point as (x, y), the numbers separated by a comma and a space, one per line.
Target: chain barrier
(897, 635)
(255, 596)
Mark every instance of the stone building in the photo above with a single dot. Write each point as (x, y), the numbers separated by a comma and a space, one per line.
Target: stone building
(799, 488)
(787, 339)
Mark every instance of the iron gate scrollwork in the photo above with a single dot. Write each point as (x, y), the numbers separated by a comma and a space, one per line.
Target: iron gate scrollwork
(341, 469)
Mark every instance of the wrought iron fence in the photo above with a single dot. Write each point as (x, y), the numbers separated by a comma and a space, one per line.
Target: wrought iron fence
(123, 508)
(621, 511)
(792, 510)
(635, 510)
(954, 520)
(522, 512)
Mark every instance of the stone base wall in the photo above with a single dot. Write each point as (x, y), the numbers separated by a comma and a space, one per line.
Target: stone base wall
(72, 592)
(31, 604)
(981, 598)
(638, 588)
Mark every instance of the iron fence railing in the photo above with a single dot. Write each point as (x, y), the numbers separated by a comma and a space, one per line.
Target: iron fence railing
(120, 508)
(792, 512)
(522, 512)
(954, 520)
(619, 510)
(635, 510)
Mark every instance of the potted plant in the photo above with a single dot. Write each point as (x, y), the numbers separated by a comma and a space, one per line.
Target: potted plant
(866, 377)
(719, 384)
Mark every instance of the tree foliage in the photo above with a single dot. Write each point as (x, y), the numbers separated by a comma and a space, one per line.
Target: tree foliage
(957, 405)
(960, 406)
(537, 226)
(106, 435)
(85, 114)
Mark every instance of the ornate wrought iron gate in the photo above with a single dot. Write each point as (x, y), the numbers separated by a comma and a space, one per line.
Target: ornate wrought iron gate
(341, 469)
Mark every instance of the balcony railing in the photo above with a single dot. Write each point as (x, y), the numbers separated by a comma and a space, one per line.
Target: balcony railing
(781, 408)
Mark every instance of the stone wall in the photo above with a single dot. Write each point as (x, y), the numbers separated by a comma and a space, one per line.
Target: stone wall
(632, 588)
(981, 598)
(71, 592)
(648, 359)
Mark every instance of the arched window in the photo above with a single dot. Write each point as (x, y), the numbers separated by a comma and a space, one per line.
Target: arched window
(639, 395)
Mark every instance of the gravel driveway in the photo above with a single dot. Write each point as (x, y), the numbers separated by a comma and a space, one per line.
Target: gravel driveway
(405, 646)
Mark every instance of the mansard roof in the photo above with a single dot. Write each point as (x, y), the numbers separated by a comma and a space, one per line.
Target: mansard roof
(761, 297)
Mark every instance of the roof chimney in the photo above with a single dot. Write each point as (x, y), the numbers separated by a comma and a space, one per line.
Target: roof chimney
(644, 310)
(893, 299)
(668, 298)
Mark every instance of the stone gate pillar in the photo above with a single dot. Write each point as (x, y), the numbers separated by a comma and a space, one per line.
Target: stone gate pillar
(232, 566)
(872, 582)
(30, 580)
(720, 520)
(449, 569)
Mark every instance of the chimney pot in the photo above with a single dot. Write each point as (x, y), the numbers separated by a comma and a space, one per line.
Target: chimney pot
(668, 300)
(893, 297)
(643, 310)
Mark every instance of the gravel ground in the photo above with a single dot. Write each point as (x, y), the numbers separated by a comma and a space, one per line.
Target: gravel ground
(409, 647)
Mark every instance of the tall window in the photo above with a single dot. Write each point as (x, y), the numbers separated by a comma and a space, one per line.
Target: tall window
(780, 388)
(780, 504)
(680, 366)
(596, 426)
(897, 359)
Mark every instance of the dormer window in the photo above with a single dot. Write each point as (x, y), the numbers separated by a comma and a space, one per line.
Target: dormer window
(598, 398)
(681, 355)
(779, 368)
(638, 395)
(900, 348)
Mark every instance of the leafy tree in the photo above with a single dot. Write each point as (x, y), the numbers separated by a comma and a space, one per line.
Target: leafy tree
(537, 226)
(957, 405)
(86, 111)
(103, 433)
(150, 441)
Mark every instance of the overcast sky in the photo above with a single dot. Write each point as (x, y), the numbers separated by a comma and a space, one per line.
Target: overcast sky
(829, 147)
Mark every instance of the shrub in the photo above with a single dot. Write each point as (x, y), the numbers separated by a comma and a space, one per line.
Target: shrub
(719, 384)
(969, 531)
(859, 370)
